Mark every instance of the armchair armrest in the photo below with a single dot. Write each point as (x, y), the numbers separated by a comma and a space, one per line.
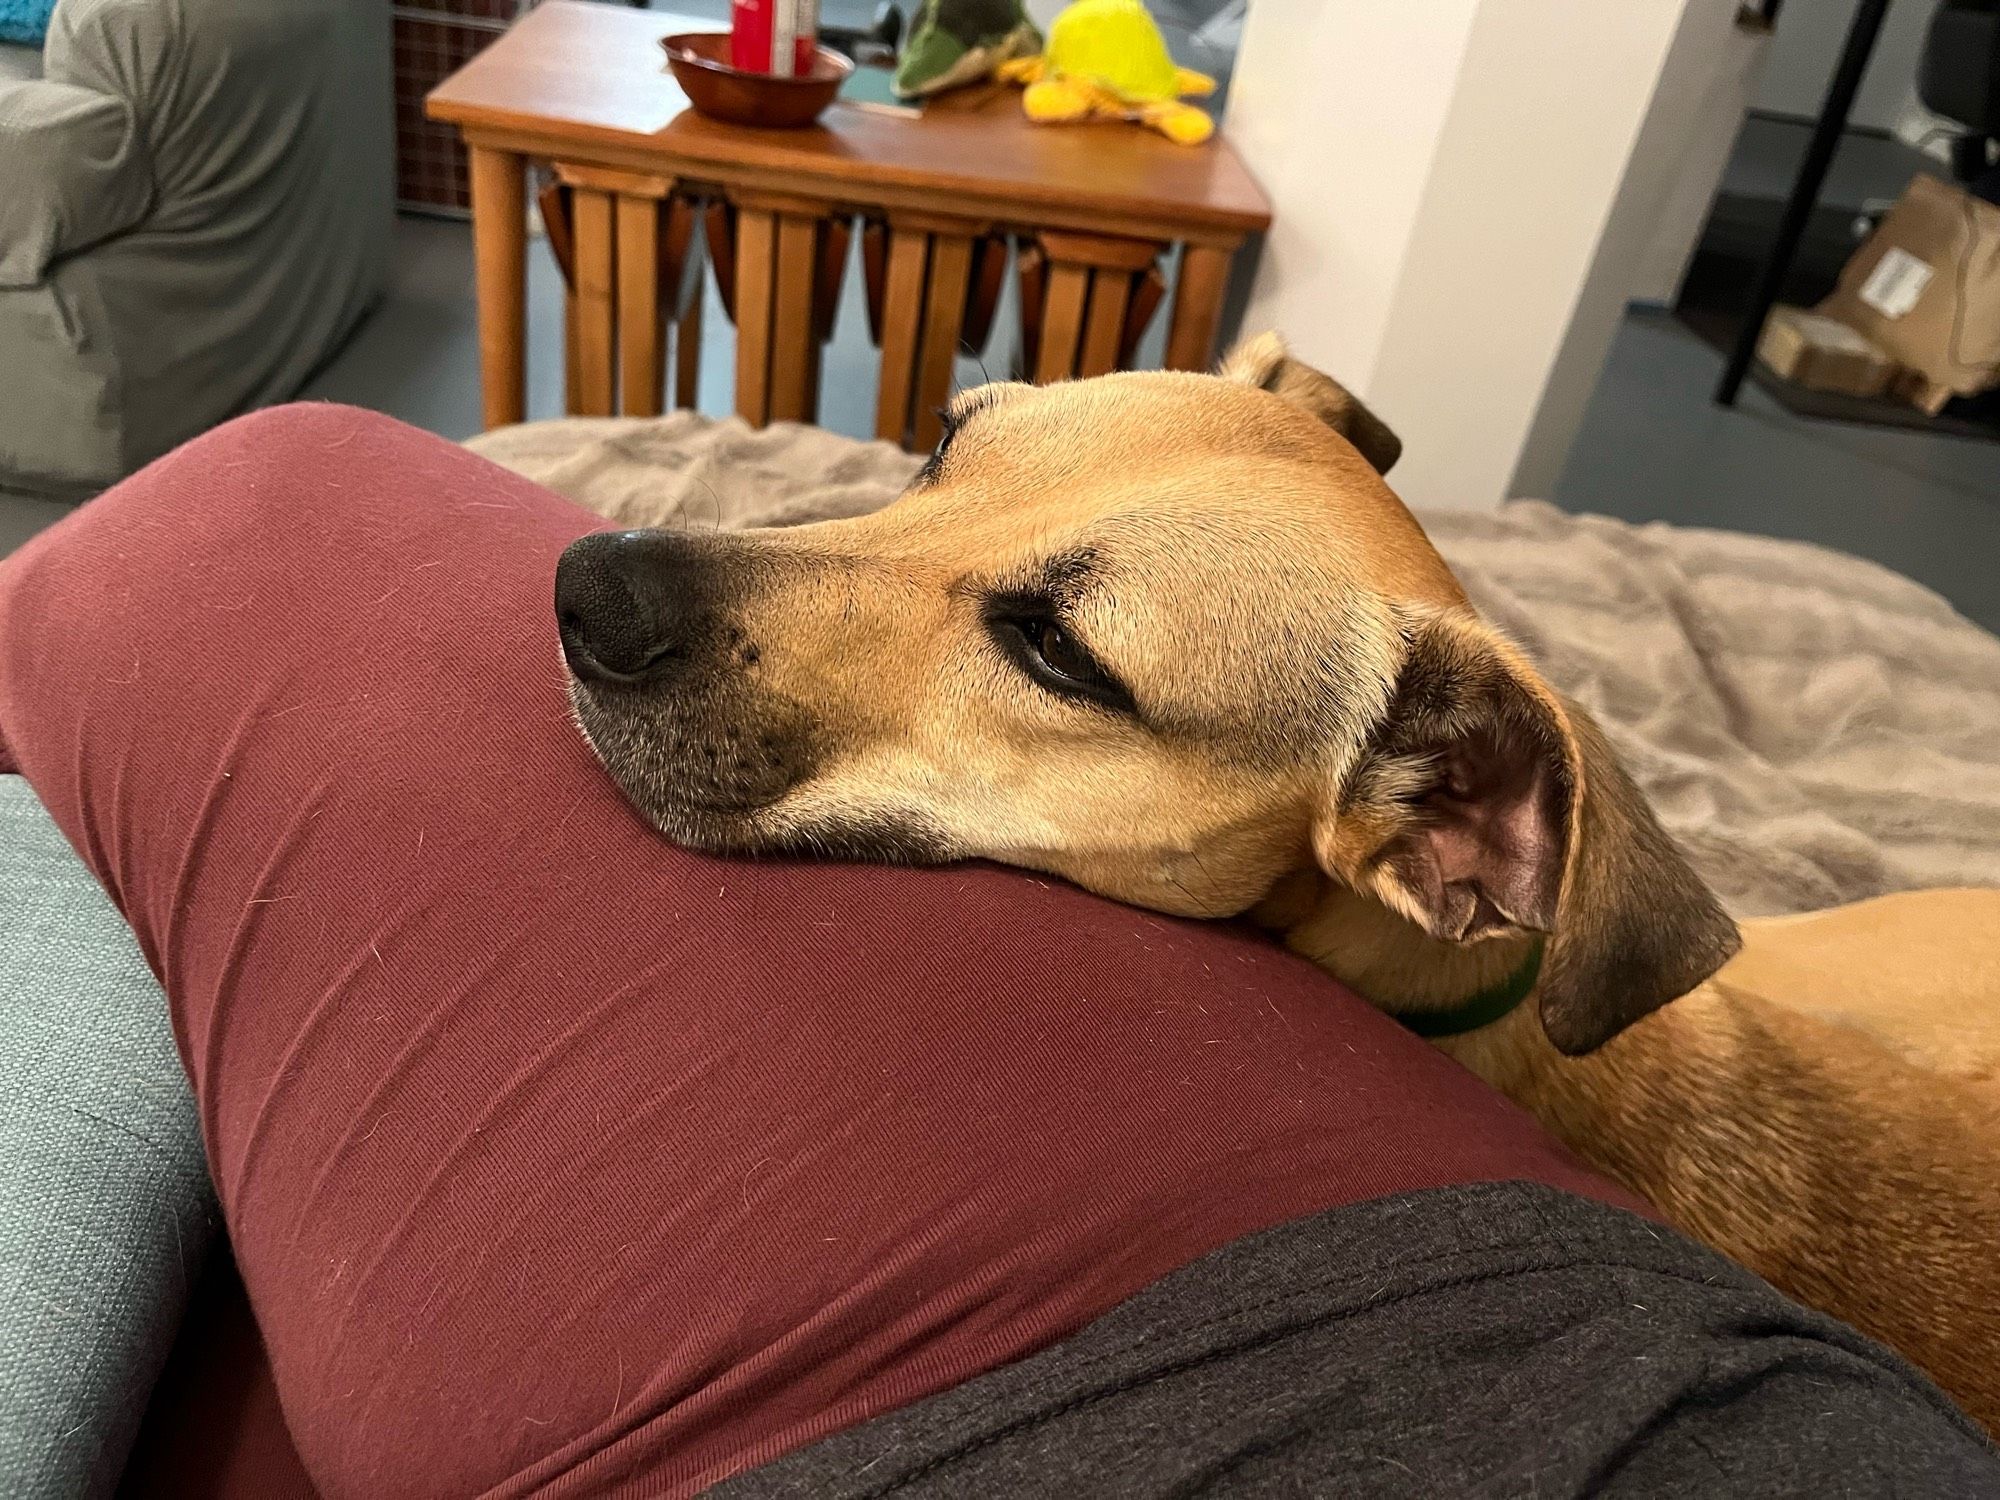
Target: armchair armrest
(72, 172)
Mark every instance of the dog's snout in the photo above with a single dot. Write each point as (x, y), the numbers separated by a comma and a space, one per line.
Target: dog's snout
(625, 604)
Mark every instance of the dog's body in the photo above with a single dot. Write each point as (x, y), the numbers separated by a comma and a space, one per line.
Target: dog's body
(1171, 637)
(1825, 1110)
(1918, 972)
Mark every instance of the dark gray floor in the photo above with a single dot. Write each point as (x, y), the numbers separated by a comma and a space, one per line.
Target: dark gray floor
(1651, 447)
(418, 357)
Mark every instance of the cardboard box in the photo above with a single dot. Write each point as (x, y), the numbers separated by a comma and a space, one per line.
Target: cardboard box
(1925, 288)
(1823, 354)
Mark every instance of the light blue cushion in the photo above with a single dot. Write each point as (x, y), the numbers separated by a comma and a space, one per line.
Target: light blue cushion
(25, 22)
(105, 1207)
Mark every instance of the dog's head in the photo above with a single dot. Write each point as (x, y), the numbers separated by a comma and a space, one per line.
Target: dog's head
(1169, 636)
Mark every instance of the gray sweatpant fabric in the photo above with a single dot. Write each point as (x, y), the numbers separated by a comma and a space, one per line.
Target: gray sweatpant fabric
(1493, 1340)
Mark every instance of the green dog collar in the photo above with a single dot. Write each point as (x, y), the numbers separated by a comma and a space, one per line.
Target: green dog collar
(1480, 1009)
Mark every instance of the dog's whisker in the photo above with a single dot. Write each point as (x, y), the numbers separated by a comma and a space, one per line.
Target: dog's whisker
(1195, 855)
(985, 375)
(715, 497)
(1192, 898)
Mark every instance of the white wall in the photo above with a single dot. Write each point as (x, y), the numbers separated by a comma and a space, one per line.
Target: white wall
(1339, 108)
(1656, 217)
(1714, 68)
(1444, 172)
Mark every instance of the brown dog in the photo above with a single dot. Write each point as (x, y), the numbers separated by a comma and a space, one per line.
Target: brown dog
(1172, 637)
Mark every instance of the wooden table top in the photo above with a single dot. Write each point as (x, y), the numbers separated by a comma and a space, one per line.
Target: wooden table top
(578, 75)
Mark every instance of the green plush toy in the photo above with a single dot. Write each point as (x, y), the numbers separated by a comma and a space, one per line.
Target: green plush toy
(956, 42)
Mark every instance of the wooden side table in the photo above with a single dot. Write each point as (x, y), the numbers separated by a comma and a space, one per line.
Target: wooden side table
(1098, 208)
(924, 303)
(626, 245)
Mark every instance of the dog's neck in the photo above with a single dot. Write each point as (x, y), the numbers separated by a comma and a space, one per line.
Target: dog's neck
(1398, 967)
(1590, 1101)
(1388, 959)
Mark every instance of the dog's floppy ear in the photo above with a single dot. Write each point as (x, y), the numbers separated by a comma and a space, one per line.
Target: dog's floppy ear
(1484, 804)
(1265, 363)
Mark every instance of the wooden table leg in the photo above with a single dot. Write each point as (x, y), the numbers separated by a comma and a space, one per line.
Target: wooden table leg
(902, 317)
(756, 255)
(1104, 327)
(1031, 289)
(944, 318)
(1085, 282)
(572, 365)
(500, 275)
(641, 352)
(794, 339)
(834, 238)
(596, 304)
(554, 201)
(1062, 322)
(1197, 307)
(1149, 290)
(683, 281)
(687, 354)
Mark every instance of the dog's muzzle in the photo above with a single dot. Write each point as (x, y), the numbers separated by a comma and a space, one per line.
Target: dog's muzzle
(629, 604)
(664, 683)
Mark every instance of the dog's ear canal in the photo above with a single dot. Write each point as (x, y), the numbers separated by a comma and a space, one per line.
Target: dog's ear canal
(1485, 804)
(1264, 362)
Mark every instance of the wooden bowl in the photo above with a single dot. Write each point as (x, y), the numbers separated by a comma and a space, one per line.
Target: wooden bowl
(700, 63)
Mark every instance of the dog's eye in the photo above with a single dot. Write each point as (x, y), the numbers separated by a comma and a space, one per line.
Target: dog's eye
(1059, 653)
(1057, 660)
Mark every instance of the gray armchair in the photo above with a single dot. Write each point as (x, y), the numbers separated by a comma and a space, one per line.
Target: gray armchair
(196, 202)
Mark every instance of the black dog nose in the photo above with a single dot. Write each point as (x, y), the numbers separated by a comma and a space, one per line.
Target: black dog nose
(624, 604)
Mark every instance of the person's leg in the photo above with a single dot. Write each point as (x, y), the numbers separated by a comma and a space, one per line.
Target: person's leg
(559, 1160)
(1496, 1340)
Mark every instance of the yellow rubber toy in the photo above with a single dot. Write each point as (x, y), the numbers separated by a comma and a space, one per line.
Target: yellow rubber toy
(1106, 59)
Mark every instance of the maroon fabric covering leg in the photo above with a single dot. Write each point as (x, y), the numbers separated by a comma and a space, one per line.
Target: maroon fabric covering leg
(213, 1430)
(557, 1160)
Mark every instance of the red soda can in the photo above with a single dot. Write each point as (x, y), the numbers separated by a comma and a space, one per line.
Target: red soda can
(773, 36)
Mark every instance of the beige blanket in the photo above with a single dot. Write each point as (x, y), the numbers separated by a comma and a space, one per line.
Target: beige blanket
(1814, 728)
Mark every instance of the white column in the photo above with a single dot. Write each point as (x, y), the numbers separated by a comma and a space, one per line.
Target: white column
(1444, 172)
(1656, 217)
(1339, 107)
